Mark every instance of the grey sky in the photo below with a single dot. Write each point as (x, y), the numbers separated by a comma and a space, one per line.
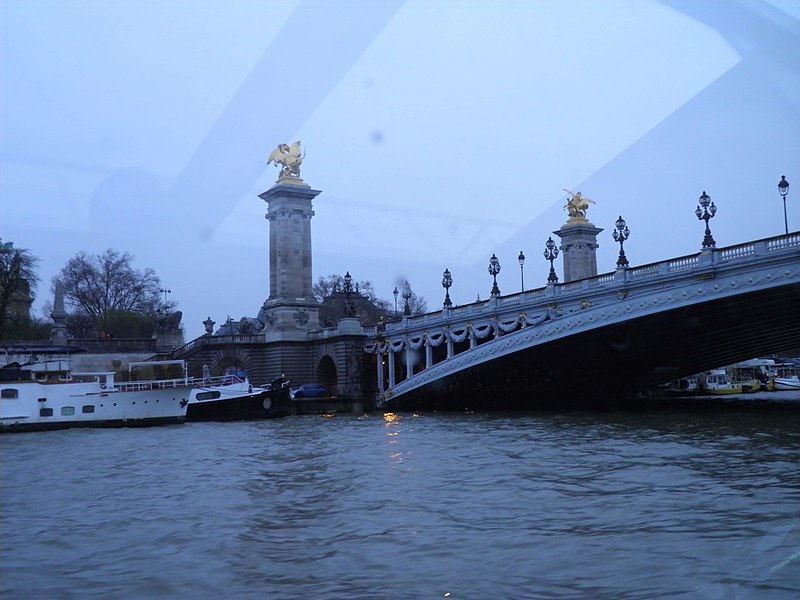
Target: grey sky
(438, 132)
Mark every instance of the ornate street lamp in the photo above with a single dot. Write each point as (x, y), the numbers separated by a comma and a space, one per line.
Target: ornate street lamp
(163, 309)
(621, 234)
(494, 269)
(349, 309)
(708, 212)
(551, 253)
(394, 293)
(521, 259)
(783, 188)
(407, 297)
(447, 281)
(165, 291)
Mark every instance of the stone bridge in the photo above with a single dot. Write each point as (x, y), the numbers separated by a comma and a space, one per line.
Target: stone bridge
(615, 335)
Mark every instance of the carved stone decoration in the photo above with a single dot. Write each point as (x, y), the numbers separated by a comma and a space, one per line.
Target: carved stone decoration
(264, 319)
(245, 326)
(301, 317)
(170, 322)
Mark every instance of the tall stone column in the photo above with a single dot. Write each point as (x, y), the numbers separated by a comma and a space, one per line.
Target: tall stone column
(58, 333)
(291, 310)
(578, 241)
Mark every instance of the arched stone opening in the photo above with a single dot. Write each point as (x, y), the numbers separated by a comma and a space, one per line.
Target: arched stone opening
(224, 362)
(327, 374)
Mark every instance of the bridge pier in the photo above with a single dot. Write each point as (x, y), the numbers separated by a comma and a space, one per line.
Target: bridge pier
(285, 337)
(390, 357)
(578, 248)
(379, 363)
(428, 353)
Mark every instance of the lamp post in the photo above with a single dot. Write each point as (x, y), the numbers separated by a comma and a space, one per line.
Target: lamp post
(162, 310)
(349, 309)
(494, 269)
(521, 259)
(447, 281)
(394, 293)
(407, 297)
(621, 234)
(708, 212)
(783, 188)
(551, 253)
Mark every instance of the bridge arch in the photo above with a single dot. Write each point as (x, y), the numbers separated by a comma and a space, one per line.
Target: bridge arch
(612, 335)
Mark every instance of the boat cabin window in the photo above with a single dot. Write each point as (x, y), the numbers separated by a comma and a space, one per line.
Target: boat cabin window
(67, 410)
(208, 395)
(45, 412)
(9, 393)
(87, 408)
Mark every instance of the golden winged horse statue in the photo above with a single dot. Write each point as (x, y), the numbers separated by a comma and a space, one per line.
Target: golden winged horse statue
(289, 157)
(577, 205)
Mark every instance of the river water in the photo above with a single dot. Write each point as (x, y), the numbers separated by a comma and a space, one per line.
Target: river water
(671, 503)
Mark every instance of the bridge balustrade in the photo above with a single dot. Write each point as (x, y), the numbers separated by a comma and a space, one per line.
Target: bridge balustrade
(463, 328)
(679, 264)
(784, 241)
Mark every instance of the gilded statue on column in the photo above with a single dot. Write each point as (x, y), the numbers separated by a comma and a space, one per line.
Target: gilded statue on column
(577, 205)
(290, 157)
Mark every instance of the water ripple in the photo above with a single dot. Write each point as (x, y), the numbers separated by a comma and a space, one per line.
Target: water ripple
(648, 505)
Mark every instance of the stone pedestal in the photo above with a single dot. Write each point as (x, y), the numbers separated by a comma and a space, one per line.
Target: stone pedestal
(578, 248)
(58, 333)
(291, 310)
(349, 326)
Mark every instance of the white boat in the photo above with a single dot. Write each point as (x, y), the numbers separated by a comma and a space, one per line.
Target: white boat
(683, 387)
(784, 376)
(233, 398)
(717, 382)
(791, 382)
(38, 390)
(754, 374)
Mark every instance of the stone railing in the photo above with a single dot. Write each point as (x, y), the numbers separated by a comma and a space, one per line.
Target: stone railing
(114, 345)
(218, 340)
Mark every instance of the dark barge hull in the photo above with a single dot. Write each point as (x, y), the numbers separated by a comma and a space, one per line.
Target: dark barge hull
(270, 404)
(107, 423)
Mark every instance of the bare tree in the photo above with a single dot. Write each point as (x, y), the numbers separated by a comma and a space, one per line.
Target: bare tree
(417, 304)
(327, 286)
(329, 291)
(18, 282)
(107, 289)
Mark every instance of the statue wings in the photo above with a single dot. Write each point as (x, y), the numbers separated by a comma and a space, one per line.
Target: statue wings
(286, 154)
(294, 150)
(577, 195)
(275, 156)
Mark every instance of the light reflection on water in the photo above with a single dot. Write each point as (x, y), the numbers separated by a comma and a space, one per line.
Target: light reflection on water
(695, 504)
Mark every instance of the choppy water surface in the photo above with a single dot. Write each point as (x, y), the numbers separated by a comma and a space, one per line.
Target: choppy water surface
(670, 504)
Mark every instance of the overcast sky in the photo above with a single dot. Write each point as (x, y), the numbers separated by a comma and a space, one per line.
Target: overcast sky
(439, 132)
